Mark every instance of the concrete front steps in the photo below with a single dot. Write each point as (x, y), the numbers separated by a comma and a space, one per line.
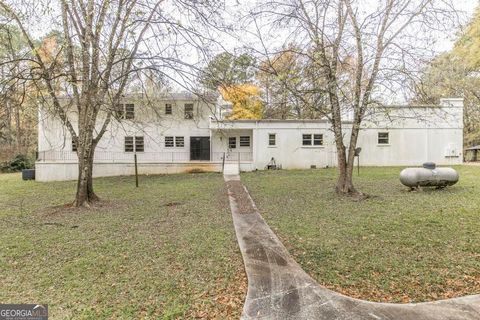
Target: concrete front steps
(231, 169)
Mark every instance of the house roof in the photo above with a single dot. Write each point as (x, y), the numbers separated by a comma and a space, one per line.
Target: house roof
(167, 96)
(278, 121)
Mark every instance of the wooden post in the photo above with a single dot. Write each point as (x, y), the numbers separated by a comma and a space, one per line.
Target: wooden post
(136, 170)
(358, 165)
(223, 162)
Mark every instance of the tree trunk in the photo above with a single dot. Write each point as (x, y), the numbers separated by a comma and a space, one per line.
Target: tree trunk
(85, 194)
(345, 174)
(91, 194)
(345, 182)
(86, 149)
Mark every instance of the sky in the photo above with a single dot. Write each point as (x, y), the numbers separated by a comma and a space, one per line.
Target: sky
(230, 43)
(468, 8)
(434, 43)
(445, 43)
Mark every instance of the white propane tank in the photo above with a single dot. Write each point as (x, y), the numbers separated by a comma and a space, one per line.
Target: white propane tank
(428, 176)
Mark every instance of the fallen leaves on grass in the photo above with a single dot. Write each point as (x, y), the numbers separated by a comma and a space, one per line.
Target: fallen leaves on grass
(222, 302)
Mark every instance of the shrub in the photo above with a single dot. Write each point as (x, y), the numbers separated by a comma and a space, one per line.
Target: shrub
(18, 163)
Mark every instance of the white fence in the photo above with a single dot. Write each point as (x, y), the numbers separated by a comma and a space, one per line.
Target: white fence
(142, 157)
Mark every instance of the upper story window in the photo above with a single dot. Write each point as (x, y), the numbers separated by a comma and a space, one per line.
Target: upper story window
(169, 142)
(312, 139)
(188, 110)
(125, 111)
(232, 142)
(383, 138)
(74, 145)
(272, 139)
(168, 108)
(245, 141)
(130, 111)
(134, 144)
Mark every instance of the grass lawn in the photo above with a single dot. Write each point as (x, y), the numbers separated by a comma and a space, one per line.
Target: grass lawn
(165, 250)
(397, 246)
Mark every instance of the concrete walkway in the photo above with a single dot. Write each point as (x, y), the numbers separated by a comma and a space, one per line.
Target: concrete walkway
(278, 288)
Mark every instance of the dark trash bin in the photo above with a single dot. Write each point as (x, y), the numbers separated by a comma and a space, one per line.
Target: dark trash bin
(28, 174)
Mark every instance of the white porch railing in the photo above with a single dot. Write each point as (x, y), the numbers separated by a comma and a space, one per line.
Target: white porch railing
(142, 157)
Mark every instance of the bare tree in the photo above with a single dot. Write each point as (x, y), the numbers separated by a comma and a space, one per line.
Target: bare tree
(355, 51)
(17, 112)
(102, 45)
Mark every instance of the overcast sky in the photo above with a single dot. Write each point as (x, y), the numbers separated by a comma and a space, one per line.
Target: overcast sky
(234, 7)
(468, 7)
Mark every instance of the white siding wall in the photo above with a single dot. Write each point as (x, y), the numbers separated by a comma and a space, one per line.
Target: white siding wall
(289, 151)
(416, 135)
(152, 123)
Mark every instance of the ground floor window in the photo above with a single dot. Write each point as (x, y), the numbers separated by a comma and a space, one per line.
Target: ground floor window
(318, 139)
(134, 144)
(245, 141)
(232, 142)
(310, 139)
(383, 138)
(139, 144)
(272, 139)
(179, 142)
(171, 142)
(306, 139)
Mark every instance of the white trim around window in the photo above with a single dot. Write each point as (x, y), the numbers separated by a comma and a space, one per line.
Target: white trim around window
(383, 139)
(134, 144)
(245, 141)
(174, 142)
(232, 142)
(312, 140)
(272, 140)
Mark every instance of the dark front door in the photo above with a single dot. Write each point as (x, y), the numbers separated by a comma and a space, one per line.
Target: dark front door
(200, 148)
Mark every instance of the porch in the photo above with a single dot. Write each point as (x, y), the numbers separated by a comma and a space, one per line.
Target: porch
(55, 165)
(233, 145)
(61, 156)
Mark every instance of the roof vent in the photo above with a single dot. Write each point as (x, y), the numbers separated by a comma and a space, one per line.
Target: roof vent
(429, 165)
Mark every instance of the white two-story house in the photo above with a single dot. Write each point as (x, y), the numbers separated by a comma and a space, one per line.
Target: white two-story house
(181, 133)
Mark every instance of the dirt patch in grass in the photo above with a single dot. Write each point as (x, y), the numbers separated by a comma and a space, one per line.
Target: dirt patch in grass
(69, 209)
(237, 190)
